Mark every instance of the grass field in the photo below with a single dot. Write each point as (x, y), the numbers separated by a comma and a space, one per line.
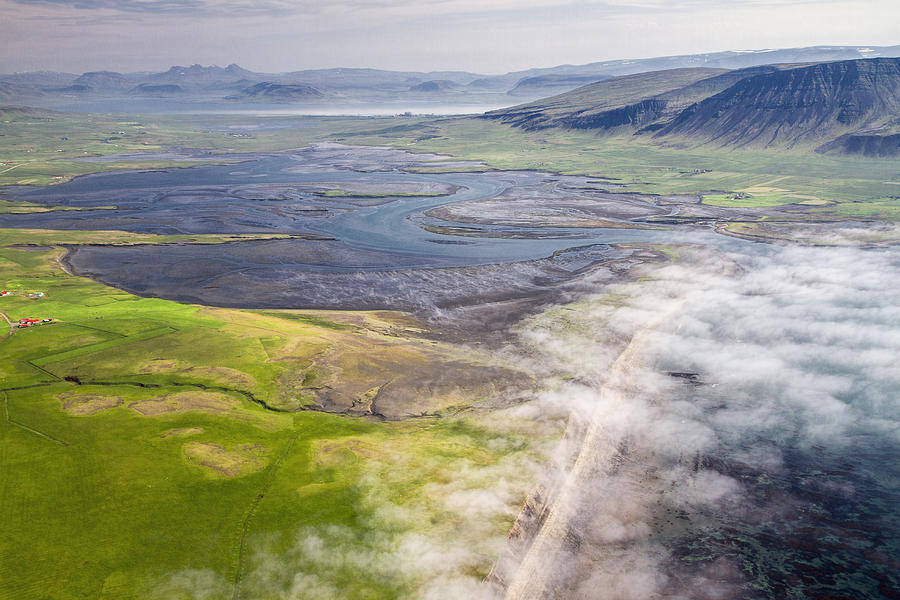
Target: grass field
(35, 153)
(139, 459)
(37, 147)
(642, 166)
(112, 237)
(22, 207)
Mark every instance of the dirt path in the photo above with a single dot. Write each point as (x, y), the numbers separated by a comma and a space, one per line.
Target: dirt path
(13, 167)
(12, 326)
(537, 576)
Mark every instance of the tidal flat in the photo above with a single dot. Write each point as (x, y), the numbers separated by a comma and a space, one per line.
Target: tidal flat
(364, 229)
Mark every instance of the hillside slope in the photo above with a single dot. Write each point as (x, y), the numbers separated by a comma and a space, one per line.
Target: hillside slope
(578, 108)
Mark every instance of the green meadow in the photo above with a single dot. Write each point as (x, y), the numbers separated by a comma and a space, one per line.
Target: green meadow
(152, 449)
(38, 148)
(766, 178)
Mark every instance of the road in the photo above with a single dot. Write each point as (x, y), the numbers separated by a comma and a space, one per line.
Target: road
(538, 577)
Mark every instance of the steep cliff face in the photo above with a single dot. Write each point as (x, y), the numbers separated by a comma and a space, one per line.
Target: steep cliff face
(848, 107)
(634, 115)
(795, 107)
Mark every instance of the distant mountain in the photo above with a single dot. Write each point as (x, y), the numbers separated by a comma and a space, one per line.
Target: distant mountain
(108, 90)
(605, 104)
(279, 92)
(105, 80)
(796, 107)
(435, 86)
(553, 83)
(198, 76)
(723, 60)
(14, 92)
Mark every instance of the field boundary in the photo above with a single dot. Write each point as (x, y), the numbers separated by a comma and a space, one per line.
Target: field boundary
(26, 427)
(98, 346)
(251, 511)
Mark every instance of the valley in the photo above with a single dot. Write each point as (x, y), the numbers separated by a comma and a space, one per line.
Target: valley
(604, 340)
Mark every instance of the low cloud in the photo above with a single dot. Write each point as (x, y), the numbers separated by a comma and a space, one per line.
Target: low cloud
(687, 392)
(716, 405)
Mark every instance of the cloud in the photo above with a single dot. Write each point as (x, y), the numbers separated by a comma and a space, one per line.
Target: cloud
(111, 10)
(483, 37)
(794, 356)
(149, 6)
(398, 8)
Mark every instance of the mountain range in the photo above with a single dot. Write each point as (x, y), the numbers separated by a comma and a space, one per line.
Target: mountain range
(344, 86)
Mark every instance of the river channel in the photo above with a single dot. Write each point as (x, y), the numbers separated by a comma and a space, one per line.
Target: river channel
(364, 239)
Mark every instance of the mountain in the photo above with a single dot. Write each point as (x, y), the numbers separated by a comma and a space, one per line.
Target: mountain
(796, 107)
(846, 107)
(434, 86)
(106, 80)
(280, 92)
(200, 77)
(14, 92)
(108, 90)
(731, 59)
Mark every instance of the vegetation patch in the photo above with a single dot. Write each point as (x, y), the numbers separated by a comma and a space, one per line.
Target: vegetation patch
(223, 375)
(747, 200)
(237, 461)
(182, 432)
(23, 207)
(214, 403)
(79, 404)
(54, 237)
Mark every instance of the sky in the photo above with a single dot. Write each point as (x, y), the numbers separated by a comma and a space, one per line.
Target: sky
(484, 36)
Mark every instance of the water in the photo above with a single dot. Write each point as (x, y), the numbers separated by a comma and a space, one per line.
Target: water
(199, 107)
